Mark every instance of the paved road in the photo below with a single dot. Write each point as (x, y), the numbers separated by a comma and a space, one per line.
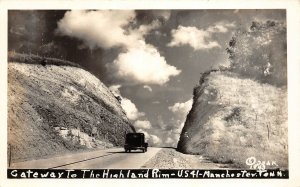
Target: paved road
(102, 159)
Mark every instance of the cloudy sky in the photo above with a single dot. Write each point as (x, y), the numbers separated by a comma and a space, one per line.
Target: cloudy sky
(151, 58)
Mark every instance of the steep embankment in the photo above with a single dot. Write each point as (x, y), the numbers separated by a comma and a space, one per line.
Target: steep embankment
(59, 108)
(233, 119)
(241, 111)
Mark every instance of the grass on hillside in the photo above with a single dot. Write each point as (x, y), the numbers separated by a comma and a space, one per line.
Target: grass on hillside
(35, 59)
(251, 120)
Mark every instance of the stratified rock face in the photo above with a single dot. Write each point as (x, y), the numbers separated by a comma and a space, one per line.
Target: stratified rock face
(54, 109)
(241, 111)
(232, 119)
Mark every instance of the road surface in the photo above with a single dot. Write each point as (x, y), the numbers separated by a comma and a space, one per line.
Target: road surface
(103, 159)
(163, 158)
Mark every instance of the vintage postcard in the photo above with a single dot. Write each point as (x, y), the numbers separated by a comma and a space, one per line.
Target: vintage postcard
(141, 93)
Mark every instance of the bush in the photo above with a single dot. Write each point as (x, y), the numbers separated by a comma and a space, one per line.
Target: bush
(260, 53)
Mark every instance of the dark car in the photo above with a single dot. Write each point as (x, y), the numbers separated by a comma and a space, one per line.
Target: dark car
(135, 141)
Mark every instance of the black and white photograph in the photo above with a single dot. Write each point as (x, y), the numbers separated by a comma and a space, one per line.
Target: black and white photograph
(137, 93)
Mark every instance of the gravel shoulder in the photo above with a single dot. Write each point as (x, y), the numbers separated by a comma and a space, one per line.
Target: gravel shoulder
(169, 158)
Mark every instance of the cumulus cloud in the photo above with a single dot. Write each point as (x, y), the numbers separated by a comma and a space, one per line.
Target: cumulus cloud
(130, 109)
(138, 61)
(180, 111)
(155, 140)
(144, 64)
(152, 140)
(147, 136)
(148, 88)
(182, 108)
(169, 141)
(128, 106)
(142, 124)
(172, 139)
(199, 39)
(179, 127)
(161, 122)
(220, 27)
(145, 29)
(97, 28)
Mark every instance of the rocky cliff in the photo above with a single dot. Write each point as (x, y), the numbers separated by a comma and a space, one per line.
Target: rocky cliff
(55, 107)
(241, 111)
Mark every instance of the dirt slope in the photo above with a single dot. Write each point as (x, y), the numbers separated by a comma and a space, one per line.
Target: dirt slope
(56, 109)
